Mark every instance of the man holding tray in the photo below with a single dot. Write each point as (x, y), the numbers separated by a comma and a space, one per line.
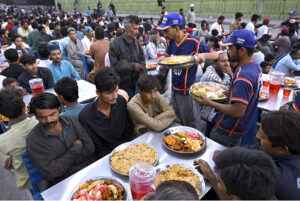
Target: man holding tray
(184, 44)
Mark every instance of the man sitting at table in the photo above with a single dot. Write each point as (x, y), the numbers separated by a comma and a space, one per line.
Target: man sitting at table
(279, 136)
(287, 64)
(67, 92)
(233, 165)
(107, 120)
(13, 142)
(14, 69)
(147, 109)
(236, 116)
(58, 146)
(33, 71)
(60, 68)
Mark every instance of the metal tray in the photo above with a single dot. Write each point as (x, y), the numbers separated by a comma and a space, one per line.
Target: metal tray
(124, 146)
(114, 180)
(165, 166)
(175, 129)
(211, 83)
(179, 65)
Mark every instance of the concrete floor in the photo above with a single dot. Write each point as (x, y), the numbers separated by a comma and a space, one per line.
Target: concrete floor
(8, 188)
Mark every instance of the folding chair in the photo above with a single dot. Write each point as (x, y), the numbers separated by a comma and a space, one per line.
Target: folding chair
(86, 67)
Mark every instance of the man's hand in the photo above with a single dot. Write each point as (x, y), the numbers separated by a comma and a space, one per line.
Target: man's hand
(296, 93)
(285, 107)
(138, 67)
(79, 142)
(228, 70)
(177, 120)
(8, 163)
(139, 128)
(203, 167)
(203, 100)
(200, 58)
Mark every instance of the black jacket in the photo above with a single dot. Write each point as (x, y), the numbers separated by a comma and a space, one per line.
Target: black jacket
(124, 56)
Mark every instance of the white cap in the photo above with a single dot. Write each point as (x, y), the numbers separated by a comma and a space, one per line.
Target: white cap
(192, 5)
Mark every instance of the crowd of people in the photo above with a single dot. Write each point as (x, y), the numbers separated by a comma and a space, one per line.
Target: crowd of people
(62, 135)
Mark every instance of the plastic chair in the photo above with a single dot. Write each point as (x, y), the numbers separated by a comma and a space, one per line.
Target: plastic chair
(3, 127)
(86, 67)
(34, 177)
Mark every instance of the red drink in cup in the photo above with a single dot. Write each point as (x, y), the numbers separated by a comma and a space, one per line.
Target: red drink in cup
(287, 91)
(266, 83)
(274, 87)
(36, 86)
(141, 177)
(160, 52)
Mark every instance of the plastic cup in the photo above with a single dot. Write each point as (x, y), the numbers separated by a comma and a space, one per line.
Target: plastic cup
(287, 91)
(141, 177)
(36, 86)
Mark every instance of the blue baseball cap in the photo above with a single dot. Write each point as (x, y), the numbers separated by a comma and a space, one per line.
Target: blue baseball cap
(293, 12)
(173, 19)
(243, 38)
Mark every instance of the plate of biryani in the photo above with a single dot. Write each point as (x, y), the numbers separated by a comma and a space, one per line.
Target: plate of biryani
(183, 140)
(99, 188)
(214, 91)
(180, 61)
(290, 82)
(125, 155)
(180, 172)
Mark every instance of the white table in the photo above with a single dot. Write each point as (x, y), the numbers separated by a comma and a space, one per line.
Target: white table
(62, 190)
(86, 90)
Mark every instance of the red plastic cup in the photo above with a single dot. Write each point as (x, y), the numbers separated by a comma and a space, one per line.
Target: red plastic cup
(287, 91)
(266, 83)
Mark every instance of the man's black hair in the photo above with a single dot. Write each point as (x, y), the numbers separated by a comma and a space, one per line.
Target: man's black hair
(34, 25)
(214, 32)
(51, 26)
(64, 31)
(215, 40)
(40, 28)
(99, 33)
(42, 50)
(250, 51)
(283, 129)
(254, 170)
(11, 55)
(74, 25)
(14, 37)
(221, 17)
(181, 9)
(294, 51)
(131, 19)
(264, 64)
(67, 88)
(269, 57)
(238, 15)
(106, 80)
(43, 101)
(175, 190)
(28, 59)
(243, 25)
(147, 82)
(11, 103)
(254, 17)
(7, 81)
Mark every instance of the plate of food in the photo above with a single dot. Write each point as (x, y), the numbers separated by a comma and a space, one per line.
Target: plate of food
(291, 82)
(181, 172)
(183, 140)
(263, 96)
(181, 61)
(123, 156)
(99, 188)
(211, 90)
(86, 51)
(151, 66)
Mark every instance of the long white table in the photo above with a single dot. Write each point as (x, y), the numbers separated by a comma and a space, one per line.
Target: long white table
(62, 190)
(86, 90)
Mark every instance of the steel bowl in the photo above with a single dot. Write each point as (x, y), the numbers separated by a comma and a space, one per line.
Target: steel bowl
(165, 166)
(173, 130)
(114, 180)
(124, 146)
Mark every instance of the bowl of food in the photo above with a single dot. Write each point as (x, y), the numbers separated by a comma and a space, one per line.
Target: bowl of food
(151, 66)
(183, 140)
(263, 96)
(214, 91)
(290, 82)
(125, 155)
(174, 62)
(180, 172)
(100, 188)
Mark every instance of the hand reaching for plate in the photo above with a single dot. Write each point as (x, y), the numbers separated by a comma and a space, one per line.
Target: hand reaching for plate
(204, 168)
(203, 100)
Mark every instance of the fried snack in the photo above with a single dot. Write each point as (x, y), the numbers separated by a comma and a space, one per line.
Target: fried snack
(210, 91)
(289, 82)
(263, 96)
(176, 60)
(184, 142)
(151, 66)
(3, 118)
(122, 160)
(180, 173)
(99, 190)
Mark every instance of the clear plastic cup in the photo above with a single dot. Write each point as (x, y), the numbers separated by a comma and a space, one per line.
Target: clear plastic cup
(36, 86)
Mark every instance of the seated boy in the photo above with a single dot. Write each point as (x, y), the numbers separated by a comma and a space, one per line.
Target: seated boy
(147, 109)
(33, 71)
(11, 83)
(265, 67)
(243, 174)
